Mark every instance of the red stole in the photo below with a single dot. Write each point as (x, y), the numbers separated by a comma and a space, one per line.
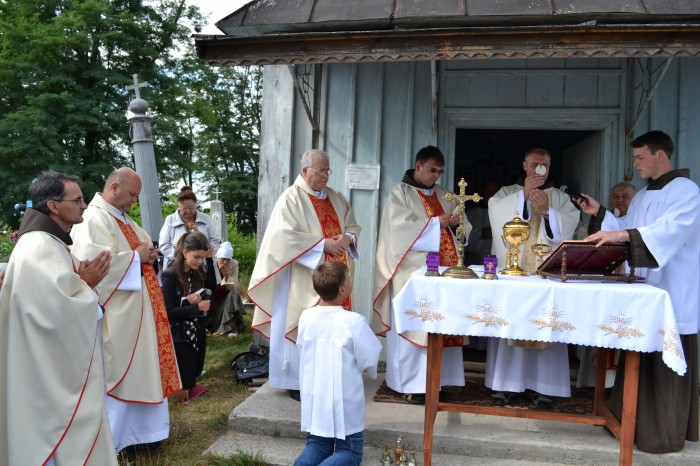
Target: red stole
(330, 225)
(448, 251)
(169, 375)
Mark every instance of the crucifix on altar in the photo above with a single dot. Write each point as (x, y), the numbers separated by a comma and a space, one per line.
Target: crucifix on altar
(460, 271)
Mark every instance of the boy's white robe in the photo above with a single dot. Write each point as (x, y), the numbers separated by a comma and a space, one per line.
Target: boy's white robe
(335, 348)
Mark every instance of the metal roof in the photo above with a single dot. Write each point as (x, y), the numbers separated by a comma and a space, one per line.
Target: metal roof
(322, 31)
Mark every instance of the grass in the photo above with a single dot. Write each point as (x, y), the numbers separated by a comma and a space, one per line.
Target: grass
(196, 426)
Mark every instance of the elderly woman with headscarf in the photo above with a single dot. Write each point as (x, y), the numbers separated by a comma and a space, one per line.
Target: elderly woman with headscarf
(227, 318)
(186, 218)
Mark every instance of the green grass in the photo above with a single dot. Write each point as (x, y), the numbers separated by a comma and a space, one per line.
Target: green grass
(196, 426)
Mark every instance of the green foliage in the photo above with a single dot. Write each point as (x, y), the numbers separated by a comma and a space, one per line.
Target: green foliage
(6, 245)
(64, 65)
(244, 252)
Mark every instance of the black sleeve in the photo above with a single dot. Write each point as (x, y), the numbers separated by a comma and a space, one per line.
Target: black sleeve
(640, 256)
(596, 221)
(172, 295)
(210, 277)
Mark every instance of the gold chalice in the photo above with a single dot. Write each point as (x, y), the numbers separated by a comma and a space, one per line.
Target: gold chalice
(515, 233)
(539, 250)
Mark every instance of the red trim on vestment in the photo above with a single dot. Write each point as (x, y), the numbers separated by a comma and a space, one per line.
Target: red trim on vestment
(391, 277)
(133, 254)
(80, 399)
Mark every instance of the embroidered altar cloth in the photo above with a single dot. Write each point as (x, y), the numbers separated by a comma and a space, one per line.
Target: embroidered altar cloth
(629, 316)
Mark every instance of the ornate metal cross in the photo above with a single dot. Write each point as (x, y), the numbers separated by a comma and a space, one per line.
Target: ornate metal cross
(461, 198)
(137, 86)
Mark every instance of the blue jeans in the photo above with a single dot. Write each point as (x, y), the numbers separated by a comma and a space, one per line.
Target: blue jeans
(319, 451)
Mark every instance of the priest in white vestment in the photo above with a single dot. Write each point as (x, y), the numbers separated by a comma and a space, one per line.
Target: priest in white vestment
(415, 221)
(52, 408)
(140, 365)
(310, 223)
(553, 218)
(662, 225)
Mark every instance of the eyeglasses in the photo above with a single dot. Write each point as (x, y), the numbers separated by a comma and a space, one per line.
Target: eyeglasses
(77, 201)
(433, 170)
(326, 172)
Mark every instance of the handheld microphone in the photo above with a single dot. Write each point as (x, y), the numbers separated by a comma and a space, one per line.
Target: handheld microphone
(573, 194)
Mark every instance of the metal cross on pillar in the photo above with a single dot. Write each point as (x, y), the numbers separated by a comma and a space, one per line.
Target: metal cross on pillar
(145, 161)
(137, 86)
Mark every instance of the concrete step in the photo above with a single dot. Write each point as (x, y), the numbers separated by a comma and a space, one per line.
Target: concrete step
(270, 418)
(277, 451)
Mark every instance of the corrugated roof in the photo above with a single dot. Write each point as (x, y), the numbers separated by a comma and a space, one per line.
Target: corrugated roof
(325, 31)
(287, 16)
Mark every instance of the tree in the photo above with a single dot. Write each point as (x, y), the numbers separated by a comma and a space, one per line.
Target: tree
(214, 141)
(64, 65)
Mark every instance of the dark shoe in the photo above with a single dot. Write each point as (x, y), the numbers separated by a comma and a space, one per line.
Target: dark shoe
(295, 395)
(501, 398)
(414, 398)
(541, 401)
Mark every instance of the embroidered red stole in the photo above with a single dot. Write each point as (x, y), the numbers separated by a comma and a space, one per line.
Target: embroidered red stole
(330, 225)
(448, 251)
(169, 375)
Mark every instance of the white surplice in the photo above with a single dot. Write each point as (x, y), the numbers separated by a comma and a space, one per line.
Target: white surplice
(335, 348)
(668, 222)
(515, 368)
(406, 235)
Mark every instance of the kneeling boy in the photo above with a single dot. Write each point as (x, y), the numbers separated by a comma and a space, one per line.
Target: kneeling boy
(335, 347)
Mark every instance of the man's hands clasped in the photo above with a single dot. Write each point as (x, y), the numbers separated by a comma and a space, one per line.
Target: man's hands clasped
(337, 245)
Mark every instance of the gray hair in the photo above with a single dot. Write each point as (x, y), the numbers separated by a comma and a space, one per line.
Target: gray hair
(307, 157)
(49, 186)
(624, 184)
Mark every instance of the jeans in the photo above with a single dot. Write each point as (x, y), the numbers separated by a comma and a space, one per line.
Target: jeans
(319, 451)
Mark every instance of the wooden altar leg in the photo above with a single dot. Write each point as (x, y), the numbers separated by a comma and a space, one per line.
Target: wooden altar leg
(601, 369)
(432, 393)
(629, 407)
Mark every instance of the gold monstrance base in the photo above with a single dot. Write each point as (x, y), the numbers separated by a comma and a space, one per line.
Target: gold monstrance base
(459, 270)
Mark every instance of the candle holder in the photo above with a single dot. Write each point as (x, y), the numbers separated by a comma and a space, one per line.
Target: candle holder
(432, 261)
(490, 267)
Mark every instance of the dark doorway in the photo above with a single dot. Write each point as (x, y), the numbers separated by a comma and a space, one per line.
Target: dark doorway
(496, 154)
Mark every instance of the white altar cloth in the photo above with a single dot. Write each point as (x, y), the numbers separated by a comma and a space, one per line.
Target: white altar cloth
(635, 317)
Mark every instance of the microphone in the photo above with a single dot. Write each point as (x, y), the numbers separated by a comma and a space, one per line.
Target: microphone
(573, 194)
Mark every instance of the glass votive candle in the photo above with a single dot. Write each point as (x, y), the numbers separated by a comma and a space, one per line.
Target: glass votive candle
(490, 265)
(432, 261)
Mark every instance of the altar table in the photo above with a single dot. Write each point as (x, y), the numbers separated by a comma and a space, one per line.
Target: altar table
(634, 317)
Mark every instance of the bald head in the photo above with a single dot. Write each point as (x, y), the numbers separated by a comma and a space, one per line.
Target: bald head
(122, 188)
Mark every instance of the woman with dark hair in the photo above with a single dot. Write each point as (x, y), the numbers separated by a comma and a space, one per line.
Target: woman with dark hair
(186, 218)
(187, 305)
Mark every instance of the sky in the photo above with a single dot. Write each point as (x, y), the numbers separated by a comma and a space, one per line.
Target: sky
(217, 9)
